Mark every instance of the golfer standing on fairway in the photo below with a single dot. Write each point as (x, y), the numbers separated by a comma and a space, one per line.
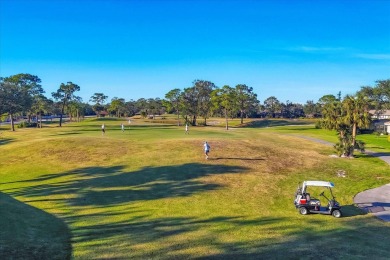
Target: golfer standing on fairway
(103, 129)
(206, 147)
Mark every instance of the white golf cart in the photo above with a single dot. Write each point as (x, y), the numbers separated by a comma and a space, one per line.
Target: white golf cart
(306, 204)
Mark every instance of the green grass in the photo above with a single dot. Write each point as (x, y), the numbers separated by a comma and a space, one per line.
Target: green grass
(148, 192)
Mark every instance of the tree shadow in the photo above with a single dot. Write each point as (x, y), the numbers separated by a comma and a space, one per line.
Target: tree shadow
(67, 133)
(371, 154)
(4, 141)
(373, 207)
(351, 211)
(276, 122)
(378, 154)
(145, 234)
(376, 147)
(356, 238)
(237, 158)
(30, 233)
(114, 185)
(350, 242)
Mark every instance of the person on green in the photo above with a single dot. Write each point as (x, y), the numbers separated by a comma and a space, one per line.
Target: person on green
(206, 147)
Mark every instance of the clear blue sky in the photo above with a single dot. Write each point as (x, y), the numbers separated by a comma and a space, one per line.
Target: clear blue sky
(293, 50)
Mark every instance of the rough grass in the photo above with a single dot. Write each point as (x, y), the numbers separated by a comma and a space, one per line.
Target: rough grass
(149, 193)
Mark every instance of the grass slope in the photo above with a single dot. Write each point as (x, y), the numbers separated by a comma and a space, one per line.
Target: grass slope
(148, 192)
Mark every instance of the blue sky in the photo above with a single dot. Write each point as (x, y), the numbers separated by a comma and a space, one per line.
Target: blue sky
(293, 50)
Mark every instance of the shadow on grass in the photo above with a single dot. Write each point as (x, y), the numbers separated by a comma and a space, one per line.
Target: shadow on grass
(376, 147)
(143, 234)
(113, 185)
(4, 141)
(237, 158)
(276, 122)
(379, 154)
(351, 211)
(371, 154)
(67, 133)
(30, 233)
(355, 238)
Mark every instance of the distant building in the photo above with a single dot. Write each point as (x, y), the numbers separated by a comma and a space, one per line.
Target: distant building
(386, 127)
(380, 120)
(380, 114)
(103, 113)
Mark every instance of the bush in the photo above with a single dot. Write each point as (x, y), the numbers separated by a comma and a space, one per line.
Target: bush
(365, 131)
(318, 124)
(26, 124)
(360, 145)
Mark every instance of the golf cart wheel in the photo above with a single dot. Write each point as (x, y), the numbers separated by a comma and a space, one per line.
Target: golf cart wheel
(336, 213)
(303, 211)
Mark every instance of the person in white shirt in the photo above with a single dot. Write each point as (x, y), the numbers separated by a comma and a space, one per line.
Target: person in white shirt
(206, 147)
(187, 129)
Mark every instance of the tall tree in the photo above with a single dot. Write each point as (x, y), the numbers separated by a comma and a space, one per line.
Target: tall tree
(73, 109)
(29, 83)
(13, 98)
(379, 95)
(383, 89)
(98, 99)
(173, 102)
(117, 106)
(65, 94)
(225, 99)
(327, 99)
(272, 104)
(311, 109)
(130, 108)
(190, 104)
(41, 105)
(142, 106)
(203, 88)
(246, 99)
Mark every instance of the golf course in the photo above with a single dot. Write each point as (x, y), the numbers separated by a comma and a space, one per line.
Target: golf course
(148, 192)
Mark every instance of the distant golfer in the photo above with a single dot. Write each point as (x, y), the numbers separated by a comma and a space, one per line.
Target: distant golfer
(187, 130)
(206, 147)
(103, 129)
(122, 127)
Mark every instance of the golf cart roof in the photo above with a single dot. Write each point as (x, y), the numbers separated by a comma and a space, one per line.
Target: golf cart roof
(318, 184)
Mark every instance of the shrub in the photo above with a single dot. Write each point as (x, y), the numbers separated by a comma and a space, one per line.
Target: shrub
(318, 124)
(26, 124)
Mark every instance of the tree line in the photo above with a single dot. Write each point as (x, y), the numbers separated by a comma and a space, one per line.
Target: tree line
(23, 95)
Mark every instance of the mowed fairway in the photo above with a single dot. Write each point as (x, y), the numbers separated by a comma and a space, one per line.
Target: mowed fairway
(148, 192)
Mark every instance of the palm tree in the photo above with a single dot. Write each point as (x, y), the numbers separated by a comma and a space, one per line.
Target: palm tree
(356, 114)
(41, 105)
(345, 117)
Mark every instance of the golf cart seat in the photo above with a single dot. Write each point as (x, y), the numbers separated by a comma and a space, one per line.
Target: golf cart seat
(312, 201)
(315, 202)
